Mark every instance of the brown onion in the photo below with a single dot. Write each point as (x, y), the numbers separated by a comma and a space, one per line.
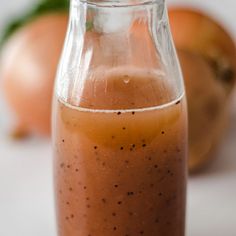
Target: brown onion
(208, 59)
(28, 68)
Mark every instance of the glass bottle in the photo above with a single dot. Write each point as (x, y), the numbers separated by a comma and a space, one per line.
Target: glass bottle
(119, 123)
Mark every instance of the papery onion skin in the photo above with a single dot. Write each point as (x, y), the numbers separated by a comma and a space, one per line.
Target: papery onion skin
(208, 58)
(207, 109)
(195, 31)
(28, 68)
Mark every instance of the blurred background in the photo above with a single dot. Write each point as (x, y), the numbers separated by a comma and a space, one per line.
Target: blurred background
(26, 192)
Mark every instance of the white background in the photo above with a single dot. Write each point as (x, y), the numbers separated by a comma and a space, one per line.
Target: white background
(26, 197)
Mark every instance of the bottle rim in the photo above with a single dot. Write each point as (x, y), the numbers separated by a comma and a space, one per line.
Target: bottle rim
(120, 3)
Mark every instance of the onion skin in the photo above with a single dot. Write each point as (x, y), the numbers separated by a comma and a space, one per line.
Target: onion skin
(207, 109)
(197, 32)
(28, 68)
(208, 58)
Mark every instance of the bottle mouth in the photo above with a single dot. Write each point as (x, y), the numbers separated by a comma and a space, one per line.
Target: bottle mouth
(120, 3)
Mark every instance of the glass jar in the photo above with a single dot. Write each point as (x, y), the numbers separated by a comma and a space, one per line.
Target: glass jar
(119, 123)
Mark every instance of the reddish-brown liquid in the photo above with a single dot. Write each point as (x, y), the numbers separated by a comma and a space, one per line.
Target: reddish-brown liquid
(121, 172)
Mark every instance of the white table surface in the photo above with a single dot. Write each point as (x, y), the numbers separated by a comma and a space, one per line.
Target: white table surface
(26, 196)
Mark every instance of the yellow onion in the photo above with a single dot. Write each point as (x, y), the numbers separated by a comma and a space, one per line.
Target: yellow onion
(28, 67)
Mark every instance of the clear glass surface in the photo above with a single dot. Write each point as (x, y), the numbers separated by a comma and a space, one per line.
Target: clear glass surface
(119, 123)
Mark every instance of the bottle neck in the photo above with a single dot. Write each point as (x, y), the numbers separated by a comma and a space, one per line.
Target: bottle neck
(115, 36)
(116, 16)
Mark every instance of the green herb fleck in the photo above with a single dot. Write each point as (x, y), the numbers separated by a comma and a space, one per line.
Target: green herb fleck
(89, 25)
